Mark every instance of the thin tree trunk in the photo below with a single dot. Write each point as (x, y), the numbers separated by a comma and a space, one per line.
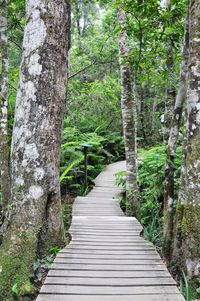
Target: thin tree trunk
(35, 224)
(142, 112)
(4, 148)
(171, 147)
(129, 119)
(170, 96)
(187, 235)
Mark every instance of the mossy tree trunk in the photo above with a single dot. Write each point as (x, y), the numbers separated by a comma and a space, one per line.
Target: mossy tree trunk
(171, 148)
(34, 224)
(187, 234)
(4, 149)
(128, 118)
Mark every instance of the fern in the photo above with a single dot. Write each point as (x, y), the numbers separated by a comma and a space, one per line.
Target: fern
(67, 170)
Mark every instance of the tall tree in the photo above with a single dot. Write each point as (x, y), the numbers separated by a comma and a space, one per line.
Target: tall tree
(4, 151)
(171, 147)
(170, 94)
(128, 118)
(187, 235)
(34, 223)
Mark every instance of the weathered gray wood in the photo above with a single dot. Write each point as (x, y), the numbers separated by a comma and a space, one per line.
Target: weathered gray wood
(106, 252)
(110, 274)
(107, 259)
(105, 290)
(108, 267)
(111, 281)
(107, 249)
(160, 297)
(107, 262)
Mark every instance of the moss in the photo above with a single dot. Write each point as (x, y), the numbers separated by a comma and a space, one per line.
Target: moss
(16, 265)
(191, 219)
(188, 224)
(194, 154)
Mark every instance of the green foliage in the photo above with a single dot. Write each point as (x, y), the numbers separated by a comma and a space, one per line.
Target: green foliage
(186, 291)
(151, 181)
(40, 269)
(190, 287)
(120, 178)
(105, 147)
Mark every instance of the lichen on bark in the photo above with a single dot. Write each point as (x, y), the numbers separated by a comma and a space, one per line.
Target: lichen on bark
(34, 224)
(4, 149)
(187, 235)
(129, 119)
(169, 202)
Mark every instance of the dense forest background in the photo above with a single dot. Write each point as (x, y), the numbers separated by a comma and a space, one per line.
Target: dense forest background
(155, 35)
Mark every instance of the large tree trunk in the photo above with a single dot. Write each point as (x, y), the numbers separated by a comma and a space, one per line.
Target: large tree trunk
(4, 148)
(129, 119)
(187, 235)
(35, 224)
(171, 147)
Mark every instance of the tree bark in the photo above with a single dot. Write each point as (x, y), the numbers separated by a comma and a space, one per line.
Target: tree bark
(4, 148)
(142, 90)
(34, 224)
(171, 147)
(170, 96)
(187, 235)
(128, 119)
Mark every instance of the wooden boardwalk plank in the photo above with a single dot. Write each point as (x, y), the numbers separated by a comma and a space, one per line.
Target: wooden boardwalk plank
(108, 290)
(109, 274)
(160, 297)
(107, 259)
(111, 281)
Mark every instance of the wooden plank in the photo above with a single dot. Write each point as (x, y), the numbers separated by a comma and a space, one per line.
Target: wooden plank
(110, 230)
(152, 297)
(124, 282)
(109, 274)
(107, 240)
(107, 257)
(131, 234)
(109, 234)
(112, 290)
(108, 267)
(114, 242)
(112, 248)
(107, 262)
(103, 242)
(69, 250)
(98, 228)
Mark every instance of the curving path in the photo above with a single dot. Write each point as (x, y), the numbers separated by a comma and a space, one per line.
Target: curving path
(107, 259)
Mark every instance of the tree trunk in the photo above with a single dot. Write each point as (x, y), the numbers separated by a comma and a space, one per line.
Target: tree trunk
(187, 235)
(4, 148)
(170, 96)
(128, 119)
(34, 224)
(171, 147)
(142, 90)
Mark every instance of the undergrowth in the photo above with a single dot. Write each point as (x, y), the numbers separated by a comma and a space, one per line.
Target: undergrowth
(151, 169)
(105, 147)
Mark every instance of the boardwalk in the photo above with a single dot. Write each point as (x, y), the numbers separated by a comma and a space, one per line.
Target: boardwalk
(107, 260)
